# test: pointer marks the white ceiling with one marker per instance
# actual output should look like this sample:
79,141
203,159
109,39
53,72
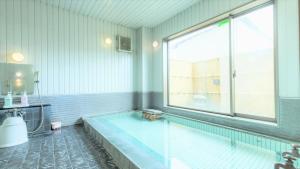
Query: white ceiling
130,13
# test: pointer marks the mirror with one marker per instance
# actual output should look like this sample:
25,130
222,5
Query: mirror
16,78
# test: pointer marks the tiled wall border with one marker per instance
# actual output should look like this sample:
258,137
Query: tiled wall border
70,108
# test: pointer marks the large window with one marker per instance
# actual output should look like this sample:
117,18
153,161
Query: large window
226,67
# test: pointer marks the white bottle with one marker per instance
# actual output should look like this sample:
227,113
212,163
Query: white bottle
8,100
24,99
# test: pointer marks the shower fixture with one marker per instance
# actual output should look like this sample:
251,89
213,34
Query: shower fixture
36,82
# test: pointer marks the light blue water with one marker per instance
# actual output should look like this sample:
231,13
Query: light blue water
181,147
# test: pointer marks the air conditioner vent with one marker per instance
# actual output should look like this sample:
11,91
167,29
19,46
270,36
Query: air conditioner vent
124,44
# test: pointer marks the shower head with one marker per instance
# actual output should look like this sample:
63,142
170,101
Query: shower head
36,77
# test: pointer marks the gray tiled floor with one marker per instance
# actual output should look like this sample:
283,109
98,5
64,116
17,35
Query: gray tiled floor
69,149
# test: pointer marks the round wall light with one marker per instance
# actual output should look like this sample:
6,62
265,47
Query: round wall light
155,44
18,57
108,41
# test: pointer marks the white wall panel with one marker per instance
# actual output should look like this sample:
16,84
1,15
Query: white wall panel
67,48
143,66
3,30
288,48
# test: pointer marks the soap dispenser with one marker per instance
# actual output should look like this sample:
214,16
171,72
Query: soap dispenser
24,99
8,100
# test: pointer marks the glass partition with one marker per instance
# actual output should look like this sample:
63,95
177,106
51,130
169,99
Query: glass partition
254,63
199,74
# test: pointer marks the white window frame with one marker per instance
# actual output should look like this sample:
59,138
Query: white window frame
245,9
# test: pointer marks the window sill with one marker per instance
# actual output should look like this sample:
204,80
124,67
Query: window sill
202,115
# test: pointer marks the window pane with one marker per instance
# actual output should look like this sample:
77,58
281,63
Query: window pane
199,69
254,63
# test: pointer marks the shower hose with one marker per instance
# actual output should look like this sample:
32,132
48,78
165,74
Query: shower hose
42,110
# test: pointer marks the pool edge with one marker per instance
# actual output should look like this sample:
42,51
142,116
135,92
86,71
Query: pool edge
121,159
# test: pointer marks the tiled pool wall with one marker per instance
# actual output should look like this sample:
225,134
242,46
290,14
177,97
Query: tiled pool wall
118,157
234,134
274,144
287,126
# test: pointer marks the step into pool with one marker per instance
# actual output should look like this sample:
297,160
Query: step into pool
173,142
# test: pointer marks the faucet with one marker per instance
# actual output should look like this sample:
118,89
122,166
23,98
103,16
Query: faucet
289,163
295,150
290,158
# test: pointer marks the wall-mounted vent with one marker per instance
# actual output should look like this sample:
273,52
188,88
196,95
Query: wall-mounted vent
124,44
